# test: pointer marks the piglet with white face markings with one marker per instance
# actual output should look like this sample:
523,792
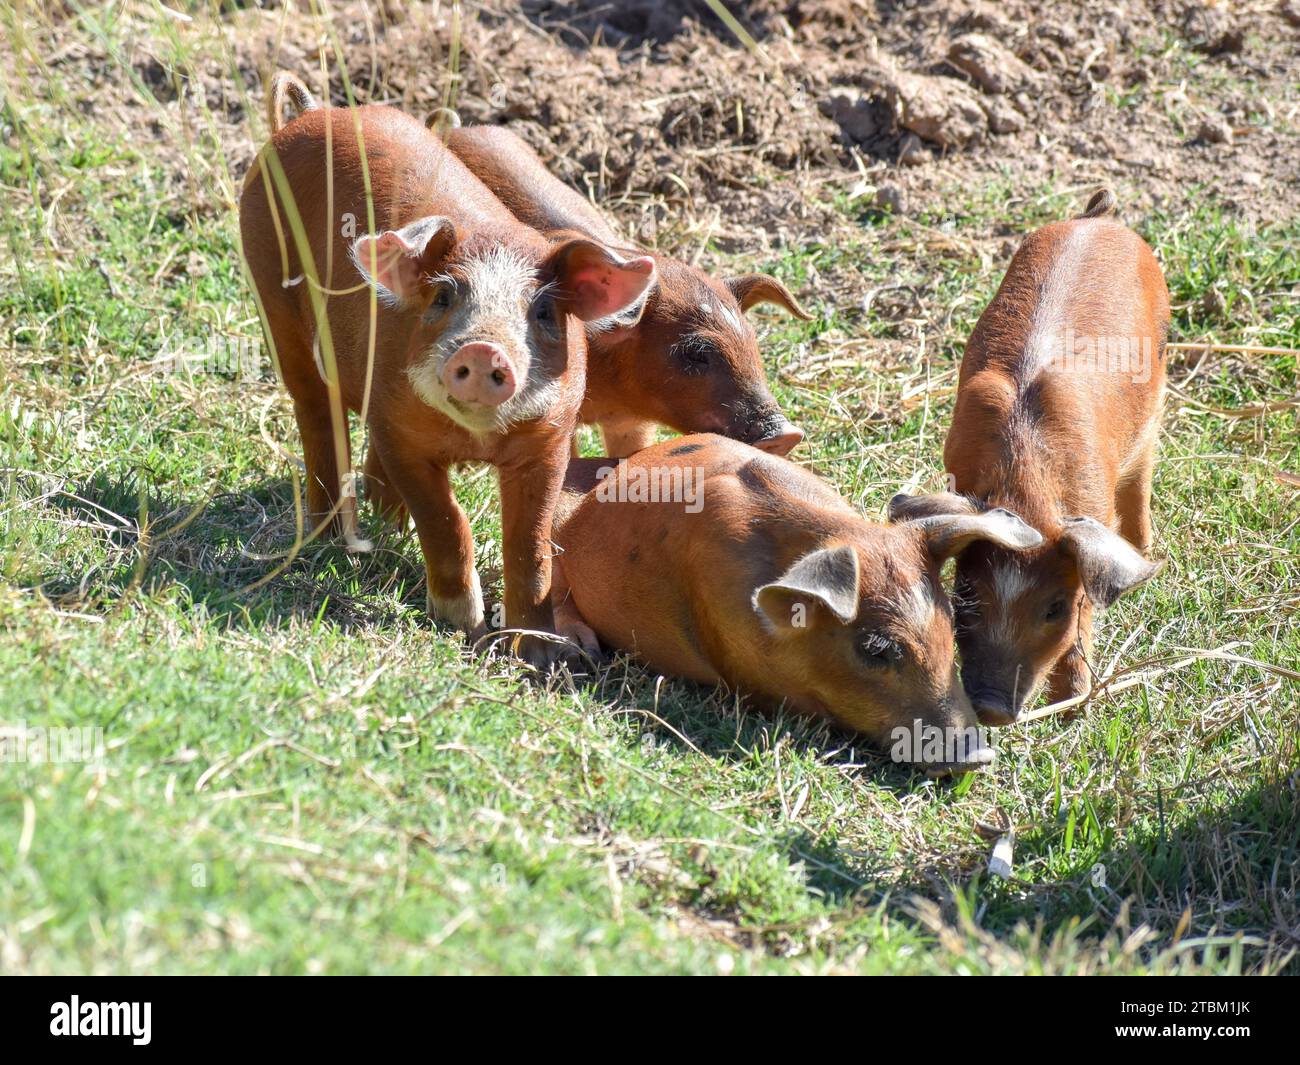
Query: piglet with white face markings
457,332
767,580
1058,407
685,355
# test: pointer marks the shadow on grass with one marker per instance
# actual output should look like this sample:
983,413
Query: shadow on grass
1234,868
233,554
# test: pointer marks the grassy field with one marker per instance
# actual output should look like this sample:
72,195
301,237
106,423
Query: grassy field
301,775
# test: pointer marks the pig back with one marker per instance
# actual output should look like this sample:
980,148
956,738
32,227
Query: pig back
510,168
662,557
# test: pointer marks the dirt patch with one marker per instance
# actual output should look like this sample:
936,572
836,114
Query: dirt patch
683,132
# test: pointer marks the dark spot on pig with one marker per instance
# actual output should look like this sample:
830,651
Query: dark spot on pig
634,555
686,449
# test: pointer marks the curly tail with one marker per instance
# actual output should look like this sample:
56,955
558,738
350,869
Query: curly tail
1101,204
286,87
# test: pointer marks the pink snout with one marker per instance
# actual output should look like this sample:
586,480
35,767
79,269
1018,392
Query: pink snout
781,442
480,374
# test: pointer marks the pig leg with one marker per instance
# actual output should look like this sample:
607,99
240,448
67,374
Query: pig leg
1072,674
383,496
568,621
626,437
1133,503
453,592
531,478
324,432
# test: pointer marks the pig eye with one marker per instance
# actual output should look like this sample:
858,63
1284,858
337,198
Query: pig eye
1056,611
695,353
543,312
878,650
441,298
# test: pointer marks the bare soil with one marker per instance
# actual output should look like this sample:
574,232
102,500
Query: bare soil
679,127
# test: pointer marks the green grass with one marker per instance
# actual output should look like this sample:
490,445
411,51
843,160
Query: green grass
306,777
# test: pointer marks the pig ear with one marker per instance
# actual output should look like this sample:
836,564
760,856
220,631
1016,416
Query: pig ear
395,261
947,535
827,578
1108,564
910,508
596,282
752,289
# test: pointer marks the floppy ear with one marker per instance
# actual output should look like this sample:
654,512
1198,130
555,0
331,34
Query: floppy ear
947,535
394,261
824,579
596,282
752,289
1108,564
909,508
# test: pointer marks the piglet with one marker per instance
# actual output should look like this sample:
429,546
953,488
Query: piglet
1058,407
720,563
685,356
392,283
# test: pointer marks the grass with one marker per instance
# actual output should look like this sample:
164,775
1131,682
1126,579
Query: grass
300,775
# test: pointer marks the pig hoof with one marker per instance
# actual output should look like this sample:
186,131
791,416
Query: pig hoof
584,637
546,652
463,612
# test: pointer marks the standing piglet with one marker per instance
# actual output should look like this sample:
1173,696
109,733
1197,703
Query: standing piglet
453,329
684,356
1058,406
714,561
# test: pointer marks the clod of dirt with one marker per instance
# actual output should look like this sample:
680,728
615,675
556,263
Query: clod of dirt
1290,10
992,66
1213,31
1215,130
1213,304
912,151
942,110
890,197
853,110
1003,118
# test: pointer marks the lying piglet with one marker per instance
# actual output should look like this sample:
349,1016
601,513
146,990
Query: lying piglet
714,561
1058,406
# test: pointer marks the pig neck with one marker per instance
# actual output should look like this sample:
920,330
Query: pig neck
613,385
1045,472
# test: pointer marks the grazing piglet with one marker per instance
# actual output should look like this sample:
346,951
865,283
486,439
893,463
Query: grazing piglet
717,562
1058,406
685,356
454,330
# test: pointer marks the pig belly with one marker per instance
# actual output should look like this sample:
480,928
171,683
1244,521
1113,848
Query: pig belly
633,606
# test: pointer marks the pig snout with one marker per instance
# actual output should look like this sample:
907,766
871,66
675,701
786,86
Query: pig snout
964,752
995,684
480,374
782,441
771,431
965,746
994,707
